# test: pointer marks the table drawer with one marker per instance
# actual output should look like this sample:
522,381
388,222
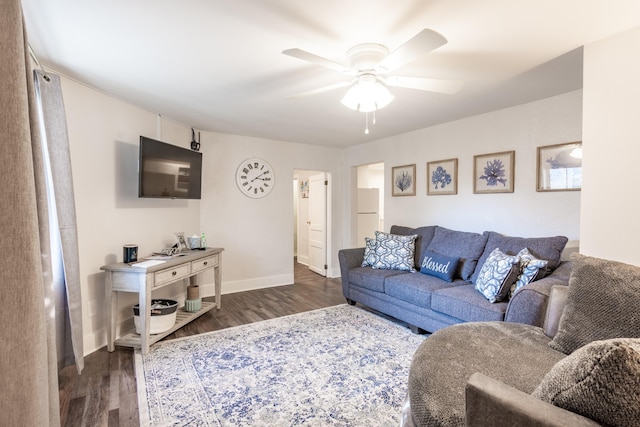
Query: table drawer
204,263
172,274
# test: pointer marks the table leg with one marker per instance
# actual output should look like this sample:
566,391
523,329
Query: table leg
112,311
218,285
144,301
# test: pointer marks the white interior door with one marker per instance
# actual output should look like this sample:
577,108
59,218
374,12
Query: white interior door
318,223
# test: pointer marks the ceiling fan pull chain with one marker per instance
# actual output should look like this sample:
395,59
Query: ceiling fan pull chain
373,122
366,123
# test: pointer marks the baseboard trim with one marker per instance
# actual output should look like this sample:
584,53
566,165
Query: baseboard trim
98,339
208,289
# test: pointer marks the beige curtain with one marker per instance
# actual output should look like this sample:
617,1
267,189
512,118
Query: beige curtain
28,365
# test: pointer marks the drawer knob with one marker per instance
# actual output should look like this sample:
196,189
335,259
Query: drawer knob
206,262
173,273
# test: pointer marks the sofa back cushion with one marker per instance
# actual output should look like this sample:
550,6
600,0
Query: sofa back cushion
545,248
425,235
459,244
600,380
602,303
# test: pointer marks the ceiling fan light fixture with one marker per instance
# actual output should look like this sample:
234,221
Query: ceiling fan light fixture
367,94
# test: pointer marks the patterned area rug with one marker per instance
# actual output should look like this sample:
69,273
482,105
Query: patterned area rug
339,366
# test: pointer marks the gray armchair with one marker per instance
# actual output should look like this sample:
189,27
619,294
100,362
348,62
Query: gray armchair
580,369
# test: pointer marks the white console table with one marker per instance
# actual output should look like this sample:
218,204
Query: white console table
122,277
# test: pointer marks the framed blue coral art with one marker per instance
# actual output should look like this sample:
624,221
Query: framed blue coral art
493,173
442,177
403,180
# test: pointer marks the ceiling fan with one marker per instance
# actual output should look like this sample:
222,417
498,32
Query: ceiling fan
371,64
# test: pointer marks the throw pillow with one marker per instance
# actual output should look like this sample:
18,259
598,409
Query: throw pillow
459,244
547,248
438,265
395,252
600,380
370,255
531,269
602,303
497,274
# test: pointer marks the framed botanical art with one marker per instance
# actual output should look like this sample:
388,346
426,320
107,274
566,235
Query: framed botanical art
559,167
493,173
403,180
442,177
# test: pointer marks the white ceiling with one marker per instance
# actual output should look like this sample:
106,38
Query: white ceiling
217,65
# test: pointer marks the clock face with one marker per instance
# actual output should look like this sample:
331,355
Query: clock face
255,178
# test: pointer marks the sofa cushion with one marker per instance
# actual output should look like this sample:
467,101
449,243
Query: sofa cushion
437,265
467,304
600,380
368,278
460,244
416,288
531,268
497,274
548,248
602,303
395,252
425,235
370,255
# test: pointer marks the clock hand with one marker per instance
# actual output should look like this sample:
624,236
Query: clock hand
258,177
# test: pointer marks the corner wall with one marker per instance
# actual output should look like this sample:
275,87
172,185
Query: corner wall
104,137
257,233
610,202
522,128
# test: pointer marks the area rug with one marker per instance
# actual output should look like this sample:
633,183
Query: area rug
338,366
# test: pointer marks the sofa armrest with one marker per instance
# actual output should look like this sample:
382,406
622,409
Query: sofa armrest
348,259
493,403
529,304
557,301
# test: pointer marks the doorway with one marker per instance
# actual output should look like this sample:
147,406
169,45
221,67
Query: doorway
312,220
369,209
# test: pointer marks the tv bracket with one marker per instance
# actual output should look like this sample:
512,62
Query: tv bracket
195,145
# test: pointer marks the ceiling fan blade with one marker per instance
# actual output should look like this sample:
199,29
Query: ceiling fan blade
423,42
432,85
318,60
320,90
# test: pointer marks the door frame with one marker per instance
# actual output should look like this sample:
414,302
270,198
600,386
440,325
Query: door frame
302,174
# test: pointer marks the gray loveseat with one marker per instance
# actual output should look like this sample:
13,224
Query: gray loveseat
429,303
581,369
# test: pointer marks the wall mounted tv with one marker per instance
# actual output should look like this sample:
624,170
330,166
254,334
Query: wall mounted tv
168,171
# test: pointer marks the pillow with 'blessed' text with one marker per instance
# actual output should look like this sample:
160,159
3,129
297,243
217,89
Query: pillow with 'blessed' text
441,266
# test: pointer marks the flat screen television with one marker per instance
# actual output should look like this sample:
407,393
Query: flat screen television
168,171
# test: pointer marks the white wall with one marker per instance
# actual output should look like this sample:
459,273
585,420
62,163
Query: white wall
611,147
256,233
524,213
104,139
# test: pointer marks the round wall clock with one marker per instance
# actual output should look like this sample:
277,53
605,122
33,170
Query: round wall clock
255,178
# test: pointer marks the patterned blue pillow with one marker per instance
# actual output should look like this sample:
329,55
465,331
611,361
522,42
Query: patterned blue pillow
395,252
531,269
497,275
437,265
370,256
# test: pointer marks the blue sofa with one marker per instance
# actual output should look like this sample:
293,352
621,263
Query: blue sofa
428,303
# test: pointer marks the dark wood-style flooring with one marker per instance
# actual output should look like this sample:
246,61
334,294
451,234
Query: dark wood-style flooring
105,394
